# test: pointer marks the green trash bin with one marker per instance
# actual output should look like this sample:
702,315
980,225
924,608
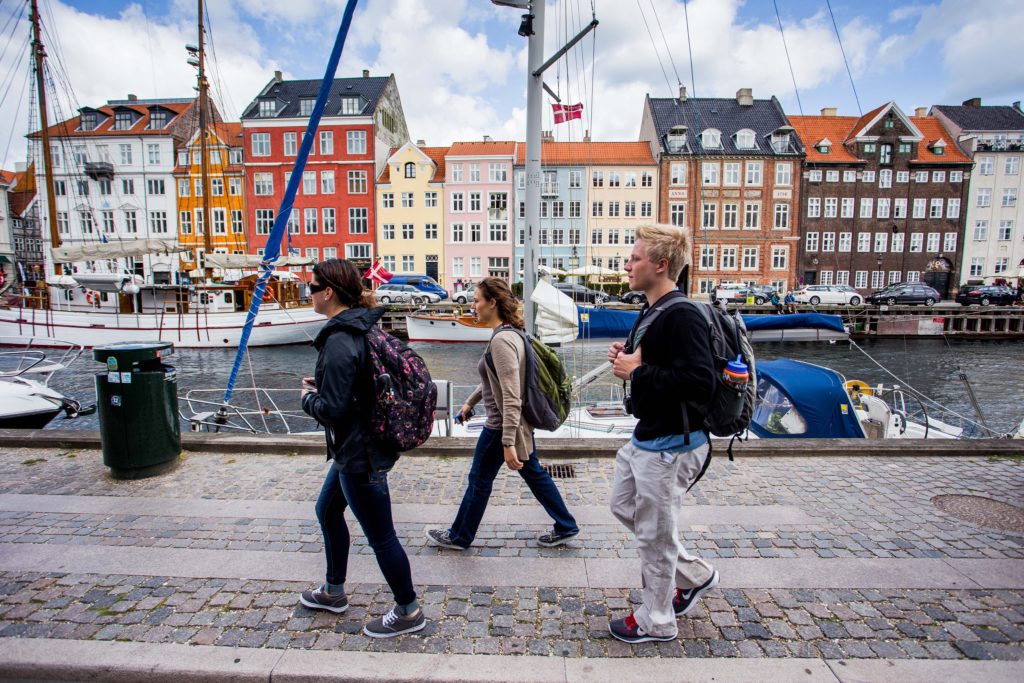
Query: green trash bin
138,409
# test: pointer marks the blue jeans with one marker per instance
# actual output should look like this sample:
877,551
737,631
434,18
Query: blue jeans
488,458
368,496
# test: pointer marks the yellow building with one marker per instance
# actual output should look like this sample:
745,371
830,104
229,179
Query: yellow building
226,178
410,211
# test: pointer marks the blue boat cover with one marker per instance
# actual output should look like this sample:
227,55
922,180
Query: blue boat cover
596,322
815,393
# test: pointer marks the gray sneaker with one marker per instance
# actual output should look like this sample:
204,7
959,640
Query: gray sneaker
442,539
394,624
319,598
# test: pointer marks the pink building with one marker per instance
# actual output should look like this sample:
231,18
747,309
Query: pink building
478,193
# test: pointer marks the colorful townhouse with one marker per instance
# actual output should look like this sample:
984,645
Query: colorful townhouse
27,262
478,192
410,211
113,170
729,169
993,136
881,200
334,214
225,194
593,196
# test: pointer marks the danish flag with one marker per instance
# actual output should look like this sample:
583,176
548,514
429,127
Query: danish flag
377,273
567,112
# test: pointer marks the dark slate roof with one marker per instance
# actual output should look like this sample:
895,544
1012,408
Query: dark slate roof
288,94
725,114
983,118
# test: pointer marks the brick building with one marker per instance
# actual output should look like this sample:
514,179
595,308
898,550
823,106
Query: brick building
728,169
882,198
334,210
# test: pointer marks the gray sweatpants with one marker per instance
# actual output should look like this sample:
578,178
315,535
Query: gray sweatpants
646,497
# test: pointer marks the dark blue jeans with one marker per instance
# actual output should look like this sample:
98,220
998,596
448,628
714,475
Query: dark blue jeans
488,458
368,496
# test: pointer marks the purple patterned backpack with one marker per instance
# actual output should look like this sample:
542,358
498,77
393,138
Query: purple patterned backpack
402,414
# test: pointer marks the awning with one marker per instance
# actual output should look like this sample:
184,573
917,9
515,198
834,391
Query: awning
4,259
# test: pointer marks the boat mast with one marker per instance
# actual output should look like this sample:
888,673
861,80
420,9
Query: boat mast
204,162
39,56
534,95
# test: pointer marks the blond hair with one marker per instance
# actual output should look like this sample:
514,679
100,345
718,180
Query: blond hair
669,242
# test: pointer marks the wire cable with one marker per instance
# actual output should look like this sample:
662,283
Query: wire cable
845,61
788,60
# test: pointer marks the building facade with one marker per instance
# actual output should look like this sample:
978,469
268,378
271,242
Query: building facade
993,136
478,193
113,178
334,209
729,171
26,239
882,200
410,212
226,194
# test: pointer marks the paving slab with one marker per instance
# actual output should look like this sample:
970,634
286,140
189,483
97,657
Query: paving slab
994,573
698,670
924,671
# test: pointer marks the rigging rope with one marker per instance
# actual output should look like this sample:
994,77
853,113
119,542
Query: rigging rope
845,61
792,75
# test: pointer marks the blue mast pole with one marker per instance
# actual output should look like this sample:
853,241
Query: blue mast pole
273,247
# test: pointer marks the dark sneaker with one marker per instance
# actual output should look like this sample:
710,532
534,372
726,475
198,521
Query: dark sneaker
443,539
319,598
686,599
394,624
627,630
554,538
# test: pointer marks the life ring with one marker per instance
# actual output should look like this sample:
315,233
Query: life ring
92,298
856,386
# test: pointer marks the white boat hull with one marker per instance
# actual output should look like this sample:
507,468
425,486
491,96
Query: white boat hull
200,329
444,329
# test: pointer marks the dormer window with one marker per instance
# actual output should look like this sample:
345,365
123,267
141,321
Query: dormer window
157,118
124,119
780,143
675,139
89,120
745,139
824,146
410,170
711,139
889,123
938,148
351,105
306,105
268,109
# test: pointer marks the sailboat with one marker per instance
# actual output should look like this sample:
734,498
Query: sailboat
92,294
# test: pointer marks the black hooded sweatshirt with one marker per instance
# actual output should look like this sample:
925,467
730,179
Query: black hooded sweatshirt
344,393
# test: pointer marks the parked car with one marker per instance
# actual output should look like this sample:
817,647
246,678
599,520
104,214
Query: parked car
462,296
424,283
827,294
405,294
905,293
583,295
727,291
986,294
633,298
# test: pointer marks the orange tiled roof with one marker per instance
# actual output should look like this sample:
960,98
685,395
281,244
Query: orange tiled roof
933,130
69,127
436,154
230,132
812,129
8,177
493,148
587,153
866,119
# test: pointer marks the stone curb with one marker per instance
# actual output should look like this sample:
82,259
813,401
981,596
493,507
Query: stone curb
50,659
313,444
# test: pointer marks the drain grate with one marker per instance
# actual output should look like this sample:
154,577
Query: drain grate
560,471
982,511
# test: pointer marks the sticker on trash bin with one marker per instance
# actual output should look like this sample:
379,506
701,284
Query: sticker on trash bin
115,400
111,364
114,377
126,378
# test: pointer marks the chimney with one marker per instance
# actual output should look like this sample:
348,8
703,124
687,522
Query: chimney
829,111
366,73
421,143
973,102
133,97
277,77
586,136
487,138
682,93
547,136
1016,105
745,97
921,111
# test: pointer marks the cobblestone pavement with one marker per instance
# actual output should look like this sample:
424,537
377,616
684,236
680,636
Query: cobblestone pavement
976,624
861,507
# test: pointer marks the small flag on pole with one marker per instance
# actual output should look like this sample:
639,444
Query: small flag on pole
567,112
377,273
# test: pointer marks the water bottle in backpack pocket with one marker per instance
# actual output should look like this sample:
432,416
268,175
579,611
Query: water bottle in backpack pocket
732,385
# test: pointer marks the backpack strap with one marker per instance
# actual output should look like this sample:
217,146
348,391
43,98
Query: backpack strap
644,322
707,462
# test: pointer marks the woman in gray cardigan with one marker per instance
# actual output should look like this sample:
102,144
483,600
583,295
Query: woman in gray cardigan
506,437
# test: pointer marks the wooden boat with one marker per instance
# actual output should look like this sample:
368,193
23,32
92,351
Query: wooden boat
446,327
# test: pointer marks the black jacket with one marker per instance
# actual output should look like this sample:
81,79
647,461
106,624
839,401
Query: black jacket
677,367
344,392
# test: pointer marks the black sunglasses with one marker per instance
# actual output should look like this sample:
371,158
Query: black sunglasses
314,287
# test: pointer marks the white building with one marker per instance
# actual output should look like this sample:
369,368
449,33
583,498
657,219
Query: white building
113,179
994,240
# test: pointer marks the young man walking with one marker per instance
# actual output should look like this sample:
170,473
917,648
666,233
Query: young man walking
672,377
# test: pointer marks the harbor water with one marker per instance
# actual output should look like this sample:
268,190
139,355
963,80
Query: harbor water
993,369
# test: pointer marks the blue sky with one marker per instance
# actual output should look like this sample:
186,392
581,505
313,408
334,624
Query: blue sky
461,67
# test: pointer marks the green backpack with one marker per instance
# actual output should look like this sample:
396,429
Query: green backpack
547,395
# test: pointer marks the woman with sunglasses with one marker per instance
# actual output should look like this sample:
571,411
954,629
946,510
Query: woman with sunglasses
358,476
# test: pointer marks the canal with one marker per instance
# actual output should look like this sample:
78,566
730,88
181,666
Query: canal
995,370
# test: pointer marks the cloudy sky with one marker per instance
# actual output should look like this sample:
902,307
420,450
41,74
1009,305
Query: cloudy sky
460,65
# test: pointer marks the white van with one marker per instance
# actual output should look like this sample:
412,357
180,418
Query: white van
728,290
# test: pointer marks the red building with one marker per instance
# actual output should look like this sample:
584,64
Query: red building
333,213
